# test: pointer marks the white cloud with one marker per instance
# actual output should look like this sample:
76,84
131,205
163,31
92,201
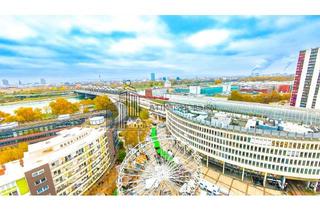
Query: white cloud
12,28
288,42
208,38
127,46
37,52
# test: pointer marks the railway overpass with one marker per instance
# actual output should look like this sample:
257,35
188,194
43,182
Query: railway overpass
154,108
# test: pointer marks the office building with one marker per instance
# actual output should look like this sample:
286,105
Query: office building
5,82
270,149
195,90
167,84
43,81
305,92
153,77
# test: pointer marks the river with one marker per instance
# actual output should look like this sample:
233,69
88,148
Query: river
9,108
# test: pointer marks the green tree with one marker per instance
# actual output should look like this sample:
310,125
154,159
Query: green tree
121,155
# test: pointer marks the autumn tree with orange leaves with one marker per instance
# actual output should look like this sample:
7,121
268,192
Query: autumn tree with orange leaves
104,102
63,106
28,114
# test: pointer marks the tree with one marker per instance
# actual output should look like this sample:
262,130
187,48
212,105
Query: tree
265,98
121,155
11,153
268,78
63,106
3,116
144,114
11,118
130,136
103,102
86,110
28,114
217,81
87,102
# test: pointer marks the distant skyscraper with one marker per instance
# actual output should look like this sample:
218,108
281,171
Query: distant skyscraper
42,81
153,77
20,83
5,82
305,92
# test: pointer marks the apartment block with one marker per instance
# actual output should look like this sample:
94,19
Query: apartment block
305,92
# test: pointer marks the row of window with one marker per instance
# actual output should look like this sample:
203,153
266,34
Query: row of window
242,153
42,189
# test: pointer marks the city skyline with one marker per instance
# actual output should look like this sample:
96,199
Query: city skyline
75,48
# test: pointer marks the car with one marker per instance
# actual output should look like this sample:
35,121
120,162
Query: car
64,117
213,190
203,184
162,125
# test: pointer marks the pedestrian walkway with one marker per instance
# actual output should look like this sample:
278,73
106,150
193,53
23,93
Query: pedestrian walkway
234,186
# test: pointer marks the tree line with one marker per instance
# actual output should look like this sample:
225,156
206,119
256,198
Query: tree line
58,107
267,78
264,98
11,153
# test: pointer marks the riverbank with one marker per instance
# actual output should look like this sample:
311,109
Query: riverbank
43,98
39,103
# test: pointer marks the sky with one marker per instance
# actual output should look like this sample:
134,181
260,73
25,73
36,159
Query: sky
80,48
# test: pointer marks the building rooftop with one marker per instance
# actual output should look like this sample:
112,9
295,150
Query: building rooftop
248,124
11,171
286,113
67,141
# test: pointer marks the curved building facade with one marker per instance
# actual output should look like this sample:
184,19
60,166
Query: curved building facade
272,153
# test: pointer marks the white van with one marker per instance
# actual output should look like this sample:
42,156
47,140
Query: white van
64,117
213,190
203,184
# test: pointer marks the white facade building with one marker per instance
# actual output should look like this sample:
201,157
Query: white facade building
195,90
269,153
68,164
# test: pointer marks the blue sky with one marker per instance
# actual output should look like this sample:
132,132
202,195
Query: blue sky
79,48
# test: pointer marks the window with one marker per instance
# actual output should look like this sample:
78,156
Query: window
13,193
37,173
39,181
42,189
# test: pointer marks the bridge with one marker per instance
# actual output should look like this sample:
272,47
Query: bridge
126,97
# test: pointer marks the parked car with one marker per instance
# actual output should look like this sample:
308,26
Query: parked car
64,117
203,184
213,190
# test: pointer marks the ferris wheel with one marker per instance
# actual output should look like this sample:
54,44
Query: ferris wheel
159,167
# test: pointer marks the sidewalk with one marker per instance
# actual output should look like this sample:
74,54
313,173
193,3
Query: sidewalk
235,186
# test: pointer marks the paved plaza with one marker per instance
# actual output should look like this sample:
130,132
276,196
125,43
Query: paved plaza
233,186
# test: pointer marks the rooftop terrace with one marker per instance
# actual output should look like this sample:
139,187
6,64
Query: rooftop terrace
239,123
